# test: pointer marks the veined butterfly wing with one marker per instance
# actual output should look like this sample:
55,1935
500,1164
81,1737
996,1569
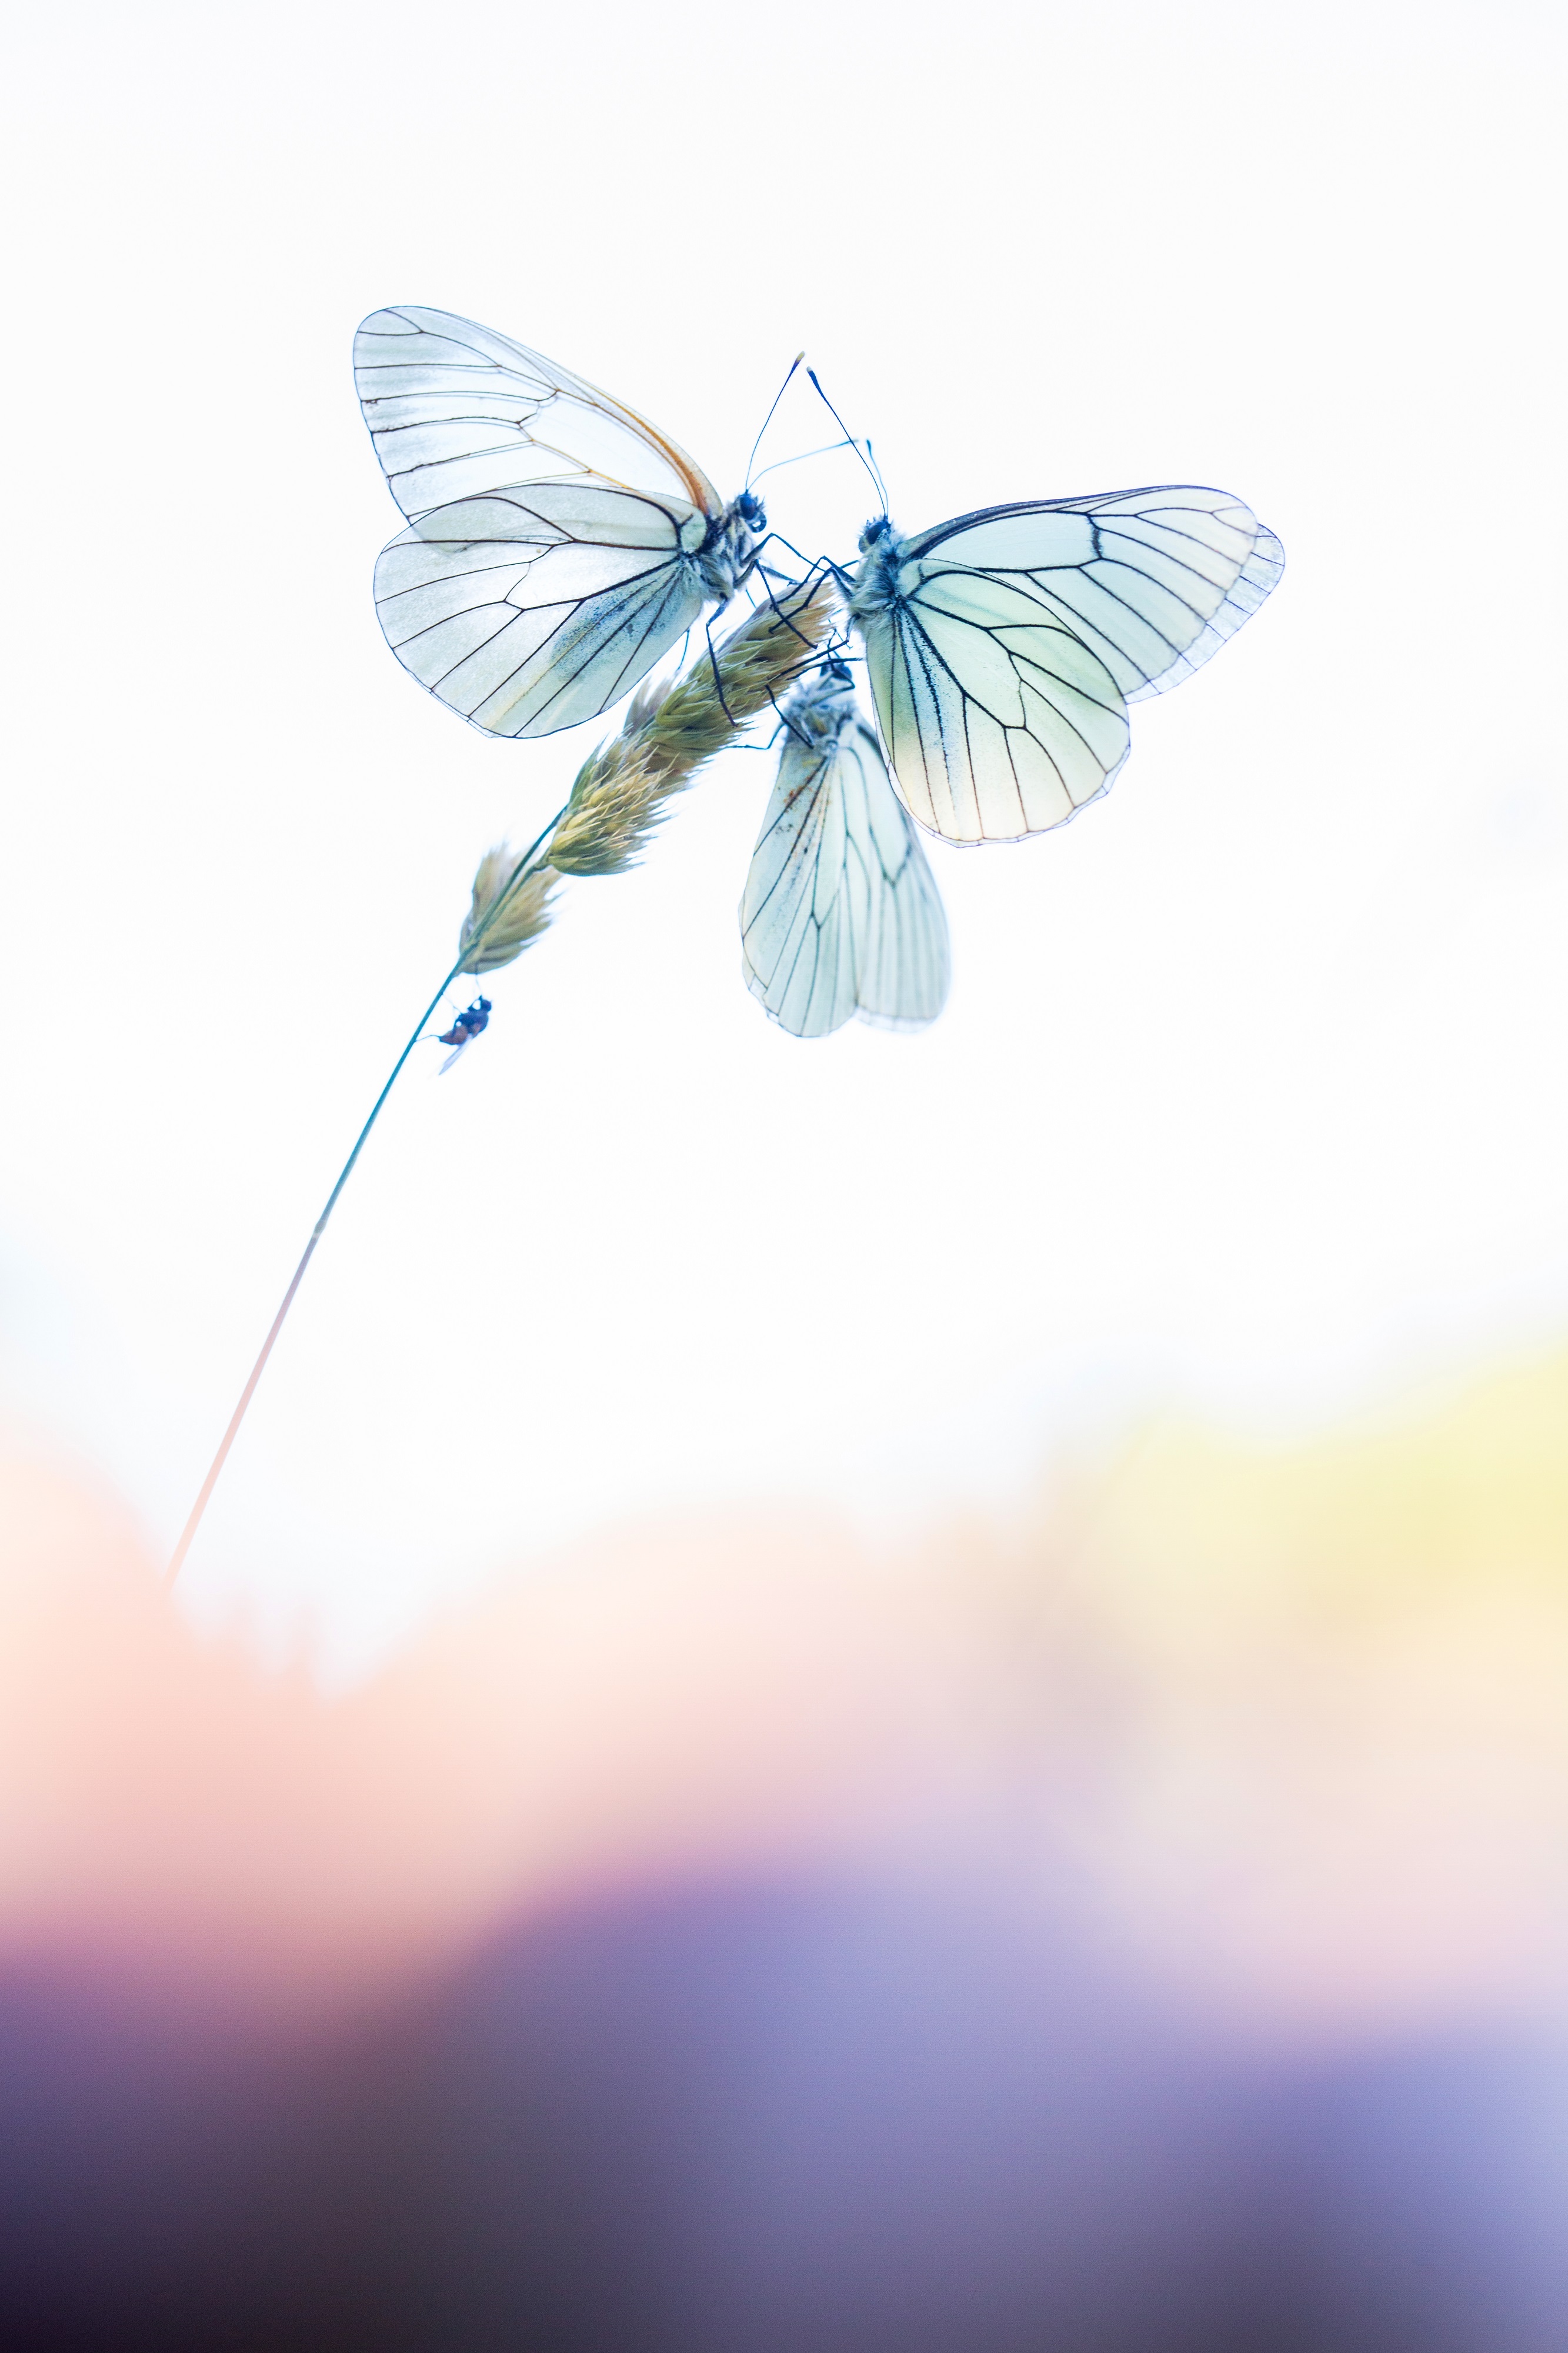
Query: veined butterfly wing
841,913
1003,647
998,722
1155,581
558,543
530,608
453,410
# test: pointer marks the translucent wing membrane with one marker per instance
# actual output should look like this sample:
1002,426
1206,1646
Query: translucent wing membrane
558,543
455,409
841,914
1003,647
998,723
1153,581
536,607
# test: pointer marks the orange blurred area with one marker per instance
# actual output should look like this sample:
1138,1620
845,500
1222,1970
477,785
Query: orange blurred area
1290,1722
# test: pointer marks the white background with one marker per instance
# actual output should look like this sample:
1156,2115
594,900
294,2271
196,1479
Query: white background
1251,1089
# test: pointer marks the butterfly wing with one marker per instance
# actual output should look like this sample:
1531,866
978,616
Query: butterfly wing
841,913
998,720
1153,581
904,966
532,608
545,570
1003,667
455,409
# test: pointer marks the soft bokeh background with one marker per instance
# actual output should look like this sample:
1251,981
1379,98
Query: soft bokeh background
1288,1721
1246,1095
1138,1927
887,1686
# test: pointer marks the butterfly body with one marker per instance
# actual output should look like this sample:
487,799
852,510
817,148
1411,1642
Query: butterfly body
728,550
557,544
878,588
821,708
1004,647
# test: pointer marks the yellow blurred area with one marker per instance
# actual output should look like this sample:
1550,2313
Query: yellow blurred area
1290,1720
1341,1672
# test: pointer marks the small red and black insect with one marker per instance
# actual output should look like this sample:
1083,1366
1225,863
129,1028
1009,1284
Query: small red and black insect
466,1028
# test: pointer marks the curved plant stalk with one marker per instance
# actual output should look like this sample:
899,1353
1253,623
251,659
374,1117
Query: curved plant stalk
617,801
470,945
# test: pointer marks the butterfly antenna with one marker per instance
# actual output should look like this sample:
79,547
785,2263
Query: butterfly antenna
800,458
877,472
849,438
769,417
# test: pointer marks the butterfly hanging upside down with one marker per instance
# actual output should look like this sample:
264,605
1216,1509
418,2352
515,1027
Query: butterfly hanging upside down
558,543
841,914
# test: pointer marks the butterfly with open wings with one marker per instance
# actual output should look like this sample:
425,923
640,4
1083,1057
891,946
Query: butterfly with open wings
1004,647
557,544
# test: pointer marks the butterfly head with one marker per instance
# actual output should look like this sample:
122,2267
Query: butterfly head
876,531
731,549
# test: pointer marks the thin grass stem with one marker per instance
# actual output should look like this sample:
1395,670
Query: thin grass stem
527,864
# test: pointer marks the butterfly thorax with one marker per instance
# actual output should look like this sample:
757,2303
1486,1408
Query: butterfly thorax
731,548
876,586
821,708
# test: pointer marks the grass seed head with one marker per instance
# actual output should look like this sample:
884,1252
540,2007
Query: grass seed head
620,797
519,915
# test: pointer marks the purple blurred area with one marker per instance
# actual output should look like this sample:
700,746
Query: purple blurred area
804,2116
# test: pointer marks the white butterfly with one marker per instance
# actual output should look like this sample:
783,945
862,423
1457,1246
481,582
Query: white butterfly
841,914
1004,647
558,543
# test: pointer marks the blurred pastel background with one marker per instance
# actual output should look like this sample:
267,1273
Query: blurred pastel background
903,1691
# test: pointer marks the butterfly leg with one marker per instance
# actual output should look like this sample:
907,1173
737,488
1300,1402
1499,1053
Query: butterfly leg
797,588
787,722
718,678
836,573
